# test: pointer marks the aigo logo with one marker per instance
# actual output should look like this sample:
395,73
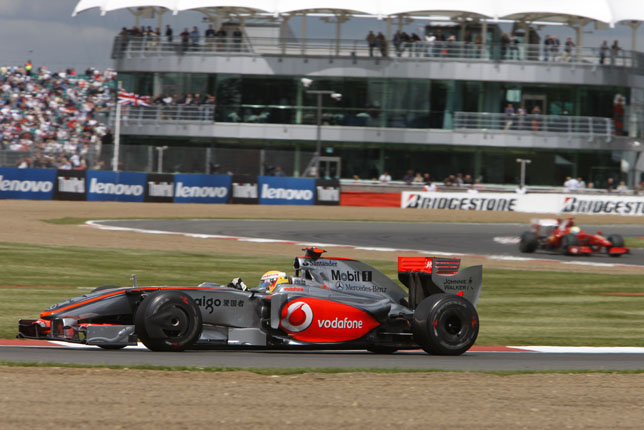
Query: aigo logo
298,317
325,321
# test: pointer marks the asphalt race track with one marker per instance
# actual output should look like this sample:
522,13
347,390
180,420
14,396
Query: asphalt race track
473,360
500,240
483,239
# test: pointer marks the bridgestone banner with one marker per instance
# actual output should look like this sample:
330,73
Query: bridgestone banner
529,203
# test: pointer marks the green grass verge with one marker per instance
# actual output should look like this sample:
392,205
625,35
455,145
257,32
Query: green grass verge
516,307
634,242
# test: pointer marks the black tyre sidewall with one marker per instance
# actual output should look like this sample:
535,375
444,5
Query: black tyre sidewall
162,301
436,310
616,240
528,242
569,240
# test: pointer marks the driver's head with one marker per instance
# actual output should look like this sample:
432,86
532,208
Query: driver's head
272,279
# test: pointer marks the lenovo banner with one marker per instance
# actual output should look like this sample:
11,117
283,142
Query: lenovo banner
106,186
201,188
29,184
275,190
70,185
327,192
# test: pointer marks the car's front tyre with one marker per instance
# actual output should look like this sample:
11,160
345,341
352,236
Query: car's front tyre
168,321
528,242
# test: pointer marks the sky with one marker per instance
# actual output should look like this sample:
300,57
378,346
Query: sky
45,32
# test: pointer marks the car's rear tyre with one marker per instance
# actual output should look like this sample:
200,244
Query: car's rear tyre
168,321
568,241
445,324
528,242
616,240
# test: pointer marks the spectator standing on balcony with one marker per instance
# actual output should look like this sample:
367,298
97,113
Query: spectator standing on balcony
416,44
536,112
397,41
185,40
509,116
221,39
614,52
210,37
568,48
237,38
382,44
603,52
430,40
554,48
372,42
385,177
622,188
610,185
168,33
547,44
505,43
194,37
409,177
521,114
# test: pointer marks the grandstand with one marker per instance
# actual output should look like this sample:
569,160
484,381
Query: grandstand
53,119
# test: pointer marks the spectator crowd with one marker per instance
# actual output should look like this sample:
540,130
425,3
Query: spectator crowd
51,116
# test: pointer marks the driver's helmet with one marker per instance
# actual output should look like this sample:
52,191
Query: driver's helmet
272,279
574,229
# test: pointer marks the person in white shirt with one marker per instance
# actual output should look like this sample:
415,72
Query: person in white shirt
385,177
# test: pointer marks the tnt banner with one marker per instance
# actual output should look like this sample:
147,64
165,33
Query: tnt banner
201,188
107,186
160,188
286,191
29,184
327,192
244,190
70,185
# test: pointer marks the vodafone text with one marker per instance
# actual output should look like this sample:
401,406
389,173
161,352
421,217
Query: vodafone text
340,323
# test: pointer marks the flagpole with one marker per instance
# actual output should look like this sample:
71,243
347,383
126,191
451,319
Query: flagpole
117,132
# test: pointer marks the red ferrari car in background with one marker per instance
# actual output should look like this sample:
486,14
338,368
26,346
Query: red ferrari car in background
564,236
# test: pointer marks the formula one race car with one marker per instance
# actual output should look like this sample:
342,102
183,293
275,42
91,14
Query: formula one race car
564,236
329,303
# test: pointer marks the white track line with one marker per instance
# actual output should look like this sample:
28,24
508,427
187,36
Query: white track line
97,224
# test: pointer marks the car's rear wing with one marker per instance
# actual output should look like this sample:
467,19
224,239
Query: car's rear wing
424,276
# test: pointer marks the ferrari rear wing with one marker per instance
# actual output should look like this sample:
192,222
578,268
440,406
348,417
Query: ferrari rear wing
424,276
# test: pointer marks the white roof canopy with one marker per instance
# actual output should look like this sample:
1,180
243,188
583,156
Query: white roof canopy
566,11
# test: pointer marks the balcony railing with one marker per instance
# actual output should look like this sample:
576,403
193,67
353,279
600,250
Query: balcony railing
559,124
481,121
149,46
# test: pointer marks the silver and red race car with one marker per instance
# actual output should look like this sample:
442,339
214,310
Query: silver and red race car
329,303
562,235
